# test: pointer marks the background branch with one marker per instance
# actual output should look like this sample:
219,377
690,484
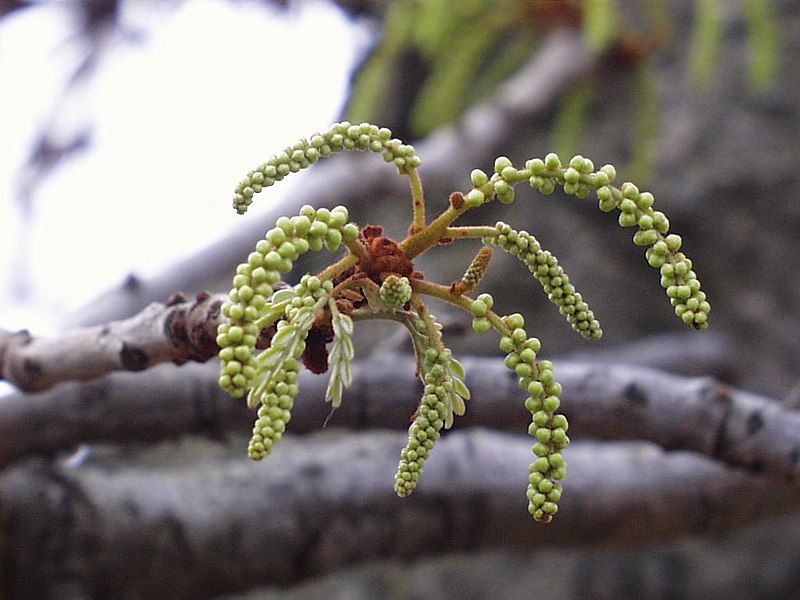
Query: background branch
327,502
602,401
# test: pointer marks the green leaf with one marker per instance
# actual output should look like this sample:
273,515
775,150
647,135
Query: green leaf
460,388
340,358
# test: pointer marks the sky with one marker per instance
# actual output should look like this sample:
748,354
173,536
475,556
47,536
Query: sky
192,96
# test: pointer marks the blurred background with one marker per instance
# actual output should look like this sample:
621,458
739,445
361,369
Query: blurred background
125,125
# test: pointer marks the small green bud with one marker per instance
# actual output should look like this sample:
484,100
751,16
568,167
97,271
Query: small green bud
481,324
501,163
474,198
552,162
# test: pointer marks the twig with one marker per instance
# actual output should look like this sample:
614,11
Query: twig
177,332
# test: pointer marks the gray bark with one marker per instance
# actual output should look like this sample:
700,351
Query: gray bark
601,401
320,504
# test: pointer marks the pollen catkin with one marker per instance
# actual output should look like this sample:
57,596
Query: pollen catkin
429,421
253,285
475,272
280,386
636,210
545,268
275,411
395,291
341,136
547,426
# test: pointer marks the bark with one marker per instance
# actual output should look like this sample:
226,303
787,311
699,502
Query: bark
176,332
327,502
601,401
448,156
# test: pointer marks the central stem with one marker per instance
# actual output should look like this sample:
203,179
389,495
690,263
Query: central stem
418,202
443,293
416,244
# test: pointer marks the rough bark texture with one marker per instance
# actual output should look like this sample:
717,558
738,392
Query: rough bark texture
176,332
327,502
601,401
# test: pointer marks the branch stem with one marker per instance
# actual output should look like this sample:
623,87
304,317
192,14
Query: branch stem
471,231
443,293
417,243
340,266
417,200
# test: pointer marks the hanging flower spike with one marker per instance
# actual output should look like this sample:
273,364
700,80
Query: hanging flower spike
548,427
364,285
253,285
341,136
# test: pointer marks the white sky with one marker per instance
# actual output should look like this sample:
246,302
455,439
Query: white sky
177,120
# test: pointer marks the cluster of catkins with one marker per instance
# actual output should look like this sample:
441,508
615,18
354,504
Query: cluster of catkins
545,268
549,427
272,376
341,136
636,210
312,229
279,388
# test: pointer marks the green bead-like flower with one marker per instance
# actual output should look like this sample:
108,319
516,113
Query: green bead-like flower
395,291
636,210
340,136
547,426
250,299
545,268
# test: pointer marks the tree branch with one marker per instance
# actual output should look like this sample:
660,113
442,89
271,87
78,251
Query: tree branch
176,332
327,502
448,155
602,401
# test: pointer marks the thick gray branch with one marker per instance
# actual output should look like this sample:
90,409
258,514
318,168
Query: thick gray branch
175,332
448,156
602,401
179,331
326,502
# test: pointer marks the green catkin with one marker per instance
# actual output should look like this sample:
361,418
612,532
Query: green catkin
253,285
547,425
636,210
545,268
275,411
279,388
426,427
341,136
476,270
395,291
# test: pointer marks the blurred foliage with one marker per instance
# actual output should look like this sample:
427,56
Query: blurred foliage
437,58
